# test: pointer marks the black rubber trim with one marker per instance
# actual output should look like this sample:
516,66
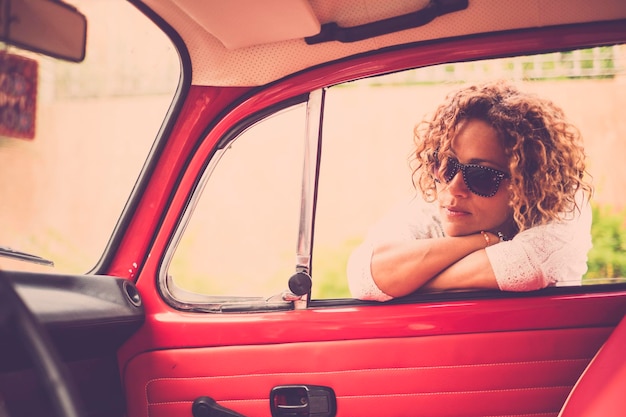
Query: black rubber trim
473,295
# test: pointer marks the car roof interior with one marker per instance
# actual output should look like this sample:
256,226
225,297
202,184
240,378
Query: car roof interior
285,32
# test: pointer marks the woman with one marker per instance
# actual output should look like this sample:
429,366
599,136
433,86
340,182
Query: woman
503,205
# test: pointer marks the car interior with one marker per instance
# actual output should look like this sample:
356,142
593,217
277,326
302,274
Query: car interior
197,266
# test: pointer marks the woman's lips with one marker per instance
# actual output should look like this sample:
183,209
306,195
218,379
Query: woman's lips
452,211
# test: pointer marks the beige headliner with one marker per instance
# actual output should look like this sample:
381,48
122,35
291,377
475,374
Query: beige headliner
240,43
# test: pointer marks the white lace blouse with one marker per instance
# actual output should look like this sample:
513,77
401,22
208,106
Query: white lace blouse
549,255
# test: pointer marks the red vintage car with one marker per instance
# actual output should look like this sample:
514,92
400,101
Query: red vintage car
183,183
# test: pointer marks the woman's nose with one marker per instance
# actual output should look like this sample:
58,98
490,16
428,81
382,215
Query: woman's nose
457,185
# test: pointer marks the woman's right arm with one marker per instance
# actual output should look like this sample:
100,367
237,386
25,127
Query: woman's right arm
403,251
400,268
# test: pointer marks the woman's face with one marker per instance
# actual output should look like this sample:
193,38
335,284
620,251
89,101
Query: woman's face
462,211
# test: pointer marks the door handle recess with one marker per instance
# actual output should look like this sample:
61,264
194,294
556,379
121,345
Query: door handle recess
303,401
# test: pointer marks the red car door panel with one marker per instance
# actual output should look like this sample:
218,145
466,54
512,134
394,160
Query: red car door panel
502,369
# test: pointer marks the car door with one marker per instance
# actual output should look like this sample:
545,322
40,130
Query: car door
254,190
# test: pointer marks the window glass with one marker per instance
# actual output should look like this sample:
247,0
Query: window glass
241,238
368,138
63,188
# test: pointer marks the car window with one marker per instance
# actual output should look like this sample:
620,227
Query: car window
368,139
64,187
241,239
242,235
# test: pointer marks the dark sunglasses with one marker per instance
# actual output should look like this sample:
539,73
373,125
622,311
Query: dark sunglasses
480,180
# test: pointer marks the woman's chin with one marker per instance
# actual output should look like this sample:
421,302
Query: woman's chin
455,230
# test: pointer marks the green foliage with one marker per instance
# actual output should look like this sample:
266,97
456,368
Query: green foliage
329,270
607,258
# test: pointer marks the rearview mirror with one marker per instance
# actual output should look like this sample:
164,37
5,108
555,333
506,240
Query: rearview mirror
49,27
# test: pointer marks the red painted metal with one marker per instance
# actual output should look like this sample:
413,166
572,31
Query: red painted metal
169,329
202,105
166,328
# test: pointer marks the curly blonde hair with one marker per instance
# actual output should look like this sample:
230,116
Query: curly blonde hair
545,152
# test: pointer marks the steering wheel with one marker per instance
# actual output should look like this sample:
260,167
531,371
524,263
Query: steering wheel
48,366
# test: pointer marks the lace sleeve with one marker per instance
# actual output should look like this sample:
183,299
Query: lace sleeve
408,221
360,281
547,255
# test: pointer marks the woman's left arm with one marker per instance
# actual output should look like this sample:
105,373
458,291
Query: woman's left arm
551,254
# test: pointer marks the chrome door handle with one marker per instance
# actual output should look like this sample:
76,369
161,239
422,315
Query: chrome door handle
303,401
